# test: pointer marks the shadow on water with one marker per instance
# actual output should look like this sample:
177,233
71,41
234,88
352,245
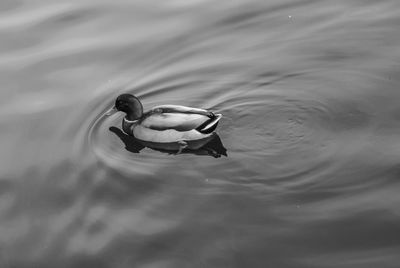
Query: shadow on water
211,146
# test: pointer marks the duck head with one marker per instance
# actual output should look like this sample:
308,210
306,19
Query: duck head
130,105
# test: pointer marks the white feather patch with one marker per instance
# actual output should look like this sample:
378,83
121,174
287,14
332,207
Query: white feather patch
174,120
170,135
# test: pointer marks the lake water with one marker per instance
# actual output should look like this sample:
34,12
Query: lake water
310,93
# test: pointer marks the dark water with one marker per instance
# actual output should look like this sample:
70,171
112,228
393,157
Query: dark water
310,92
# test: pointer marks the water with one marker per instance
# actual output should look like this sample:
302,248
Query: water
310,95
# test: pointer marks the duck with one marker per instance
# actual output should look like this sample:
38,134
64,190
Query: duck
165,123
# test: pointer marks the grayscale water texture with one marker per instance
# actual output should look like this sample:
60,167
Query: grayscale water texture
310,93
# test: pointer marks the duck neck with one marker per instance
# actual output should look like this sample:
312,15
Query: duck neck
127,125
133,116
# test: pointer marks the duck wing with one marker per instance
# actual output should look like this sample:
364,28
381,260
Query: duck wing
180,118
179,109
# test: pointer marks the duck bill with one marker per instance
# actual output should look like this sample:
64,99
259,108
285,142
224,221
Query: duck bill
111,111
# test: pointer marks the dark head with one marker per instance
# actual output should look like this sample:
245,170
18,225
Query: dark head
130,105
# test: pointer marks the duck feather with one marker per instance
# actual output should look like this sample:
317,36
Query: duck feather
179,118
171,123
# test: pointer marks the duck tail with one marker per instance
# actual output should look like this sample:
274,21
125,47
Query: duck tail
210,125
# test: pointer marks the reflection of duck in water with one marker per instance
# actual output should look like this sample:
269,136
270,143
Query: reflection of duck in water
211,145
178,126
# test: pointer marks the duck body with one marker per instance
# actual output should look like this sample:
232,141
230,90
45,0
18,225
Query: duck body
211,146
172,124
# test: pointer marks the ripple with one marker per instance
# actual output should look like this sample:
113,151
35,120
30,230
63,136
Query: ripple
277,136
311,121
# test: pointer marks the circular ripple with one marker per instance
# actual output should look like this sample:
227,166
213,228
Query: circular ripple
289,137
277,137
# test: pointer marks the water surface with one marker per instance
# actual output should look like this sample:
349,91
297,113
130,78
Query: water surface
310,95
